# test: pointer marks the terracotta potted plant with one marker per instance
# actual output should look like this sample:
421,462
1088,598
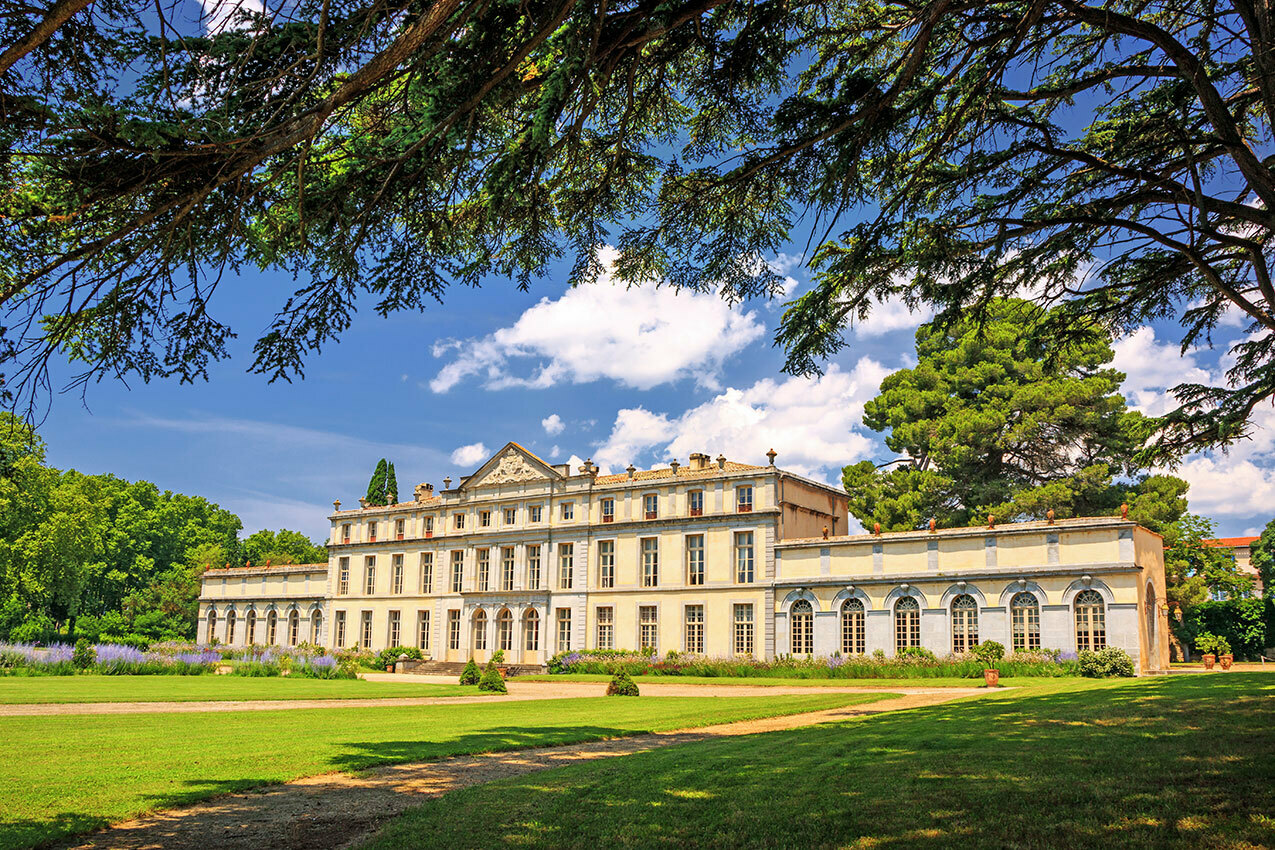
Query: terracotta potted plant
498,657
1224,656
990,653
1210,647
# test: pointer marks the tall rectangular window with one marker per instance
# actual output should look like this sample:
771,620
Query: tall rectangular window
484,519
365,630
568,510
606,628
345,532
650,562
535,513
458,521
507,568
395,630
371,532
484,570
566,565
340,629
744,498
458,569
453,629
608,510
651,506
422,631
695,629
369,575
695,502
343,577
427,572
743,629
564,629
649,628
694,559
533,567
744,573
429,526
400,528
396,570
606,563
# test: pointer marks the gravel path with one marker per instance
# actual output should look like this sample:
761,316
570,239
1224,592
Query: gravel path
517,691
339,810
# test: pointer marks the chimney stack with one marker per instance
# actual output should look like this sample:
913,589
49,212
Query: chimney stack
699,460
424,491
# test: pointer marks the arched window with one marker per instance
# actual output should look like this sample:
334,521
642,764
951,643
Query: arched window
316,625
803,628
272,627
964,623
294,623
531,630
1024,613
505,631
480,629
251,637
212,625
1091,626
907,624
852,629
230,626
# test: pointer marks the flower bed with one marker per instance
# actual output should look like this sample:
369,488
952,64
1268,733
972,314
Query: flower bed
169,659
877,666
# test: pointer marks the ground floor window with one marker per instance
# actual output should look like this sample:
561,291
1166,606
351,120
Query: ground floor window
743,629
251,637
649,628
396,629
480,629
853,632
230,627
422,631
964,623
316,624
695,629
272,628
453,629
1091,626
365,630
907,624
564,629
802,618
340,630
1024,622
505,630
531,630
606,628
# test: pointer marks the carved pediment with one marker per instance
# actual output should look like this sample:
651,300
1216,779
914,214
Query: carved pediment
509,467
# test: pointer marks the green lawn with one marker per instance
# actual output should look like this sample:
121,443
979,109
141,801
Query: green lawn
1184,761
91,688
61,775
766,681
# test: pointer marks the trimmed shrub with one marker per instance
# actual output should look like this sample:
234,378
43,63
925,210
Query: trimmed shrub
471,674
917,653
83,657
492,681
622,685
1211,643
387,657
1106,663
989,652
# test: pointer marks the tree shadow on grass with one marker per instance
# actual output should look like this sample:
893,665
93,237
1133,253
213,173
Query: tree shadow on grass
1168,762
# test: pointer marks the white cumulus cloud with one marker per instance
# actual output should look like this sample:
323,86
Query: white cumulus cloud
470,455
639,337
552,424
813,423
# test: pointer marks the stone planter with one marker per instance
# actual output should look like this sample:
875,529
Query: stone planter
389,668
1209,660
503,670
1226,660
992,677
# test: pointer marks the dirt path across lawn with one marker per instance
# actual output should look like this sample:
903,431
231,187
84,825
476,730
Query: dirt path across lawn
517,691
339,810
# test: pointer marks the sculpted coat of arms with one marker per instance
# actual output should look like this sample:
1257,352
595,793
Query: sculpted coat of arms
511,469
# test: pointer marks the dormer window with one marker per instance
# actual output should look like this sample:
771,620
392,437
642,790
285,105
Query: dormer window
651,506
484,519
608,510
371,532
458,521
345,532
400,528
695,501
744,498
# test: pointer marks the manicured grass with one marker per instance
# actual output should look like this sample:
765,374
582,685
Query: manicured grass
61,775
766,681
92,688
1182,761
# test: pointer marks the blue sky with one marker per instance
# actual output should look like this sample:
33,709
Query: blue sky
617,375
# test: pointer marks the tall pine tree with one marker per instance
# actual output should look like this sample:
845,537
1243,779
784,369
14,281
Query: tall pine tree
376,487
391,486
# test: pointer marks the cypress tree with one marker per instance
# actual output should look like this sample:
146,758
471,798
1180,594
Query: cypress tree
376,487
391,486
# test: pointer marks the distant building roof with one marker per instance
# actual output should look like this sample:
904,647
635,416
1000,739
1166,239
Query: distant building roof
681,472
262,568
1229,542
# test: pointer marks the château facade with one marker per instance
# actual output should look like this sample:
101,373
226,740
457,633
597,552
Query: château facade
713,557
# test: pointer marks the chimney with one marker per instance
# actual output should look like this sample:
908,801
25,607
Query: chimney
699,460
424,491
721,461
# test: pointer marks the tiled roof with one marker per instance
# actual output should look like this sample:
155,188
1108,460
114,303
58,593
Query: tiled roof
262,568
1229,542
682,472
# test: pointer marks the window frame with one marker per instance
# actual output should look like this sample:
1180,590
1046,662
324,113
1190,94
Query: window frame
396,574
801,628
566,565
650,561
457,583
534,566
1024,618
693,496
605,627
422,629
745,569
369,575
606,564
693,628
427,572
744,632
744,498
649,628
695,566
854,621
907,624
963,612
650,505
1094,607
